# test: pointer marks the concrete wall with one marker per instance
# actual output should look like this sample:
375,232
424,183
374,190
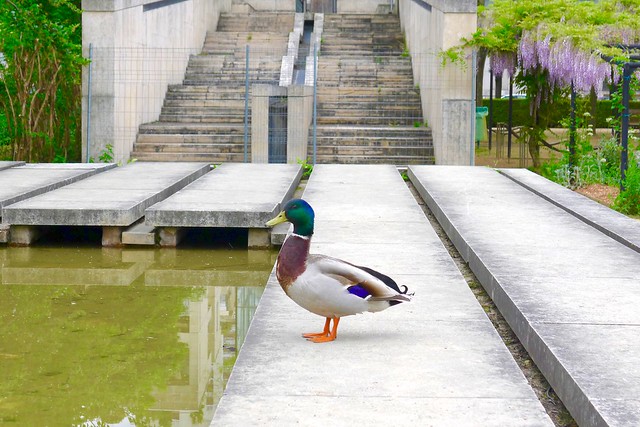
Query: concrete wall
271,5
359,6
343,6
446,92
139,47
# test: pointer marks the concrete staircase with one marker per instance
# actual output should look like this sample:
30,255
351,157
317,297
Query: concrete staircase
369,110
202,119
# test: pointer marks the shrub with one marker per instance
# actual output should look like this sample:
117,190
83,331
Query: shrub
628,202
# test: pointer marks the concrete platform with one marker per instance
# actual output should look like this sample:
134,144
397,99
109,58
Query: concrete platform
614,224
435,361
112,200
22,181
234,195
570,292
6,164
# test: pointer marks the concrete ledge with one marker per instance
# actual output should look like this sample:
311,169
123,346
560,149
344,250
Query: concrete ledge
614,224
568,291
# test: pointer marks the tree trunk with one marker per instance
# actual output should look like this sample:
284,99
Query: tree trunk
482,59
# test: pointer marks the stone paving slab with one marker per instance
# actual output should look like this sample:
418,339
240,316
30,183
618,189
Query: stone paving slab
435,361
570,292
117,197
244,195
614,224
22,181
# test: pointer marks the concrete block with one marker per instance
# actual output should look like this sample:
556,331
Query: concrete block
259,238
139,234
24,235
5,234
279,233
112,236
171,236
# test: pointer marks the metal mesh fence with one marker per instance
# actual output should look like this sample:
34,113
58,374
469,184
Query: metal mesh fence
192,105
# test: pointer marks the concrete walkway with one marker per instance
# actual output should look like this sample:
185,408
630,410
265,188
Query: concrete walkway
20,181
112,199
234,195
434,361
6,164
570,292
614,224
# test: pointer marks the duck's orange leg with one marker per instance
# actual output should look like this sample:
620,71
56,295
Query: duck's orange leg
324,333
328,336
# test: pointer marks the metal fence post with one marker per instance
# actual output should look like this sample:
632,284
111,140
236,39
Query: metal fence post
624,131
315,99
474,70
246,106
89,102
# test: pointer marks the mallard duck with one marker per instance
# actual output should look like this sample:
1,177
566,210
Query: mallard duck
329,287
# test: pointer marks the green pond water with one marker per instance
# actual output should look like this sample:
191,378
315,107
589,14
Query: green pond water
122,337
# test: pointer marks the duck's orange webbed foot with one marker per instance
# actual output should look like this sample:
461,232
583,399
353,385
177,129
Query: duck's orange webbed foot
325,335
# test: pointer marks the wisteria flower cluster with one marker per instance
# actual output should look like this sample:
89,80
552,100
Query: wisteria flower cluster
566,64
503,61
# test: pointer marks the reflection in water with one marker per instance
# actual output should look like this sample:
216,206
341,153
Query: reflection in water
98,336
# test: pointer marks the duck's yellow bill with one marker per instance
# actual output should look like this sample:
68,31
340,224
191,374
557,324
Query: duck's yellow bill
277,220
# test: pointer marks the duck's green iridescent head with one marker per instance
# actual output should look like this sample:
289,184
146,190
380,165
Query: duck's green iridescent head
299,213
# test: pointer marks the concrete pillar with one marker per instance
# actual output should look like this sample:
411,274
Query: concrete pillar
112,236
171,236
299,116
260,94
259,238
260,123
24,235
5,234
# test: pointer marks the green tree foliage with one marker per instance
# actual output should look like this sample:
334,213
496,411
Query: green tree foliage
40,78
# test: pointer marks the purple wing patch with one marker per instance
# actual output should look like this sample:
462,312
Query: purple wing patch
358,291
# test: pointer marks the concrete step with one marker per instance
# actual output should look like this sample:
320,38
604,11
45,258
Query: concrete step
360,151
256,21
189,103
377,160
370,121
190,148
190,128
325,139
215,158
379,131
207,139
203,118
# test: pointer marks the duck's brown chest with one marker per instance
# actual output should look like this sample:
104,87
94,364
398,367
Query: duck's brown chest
292,260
